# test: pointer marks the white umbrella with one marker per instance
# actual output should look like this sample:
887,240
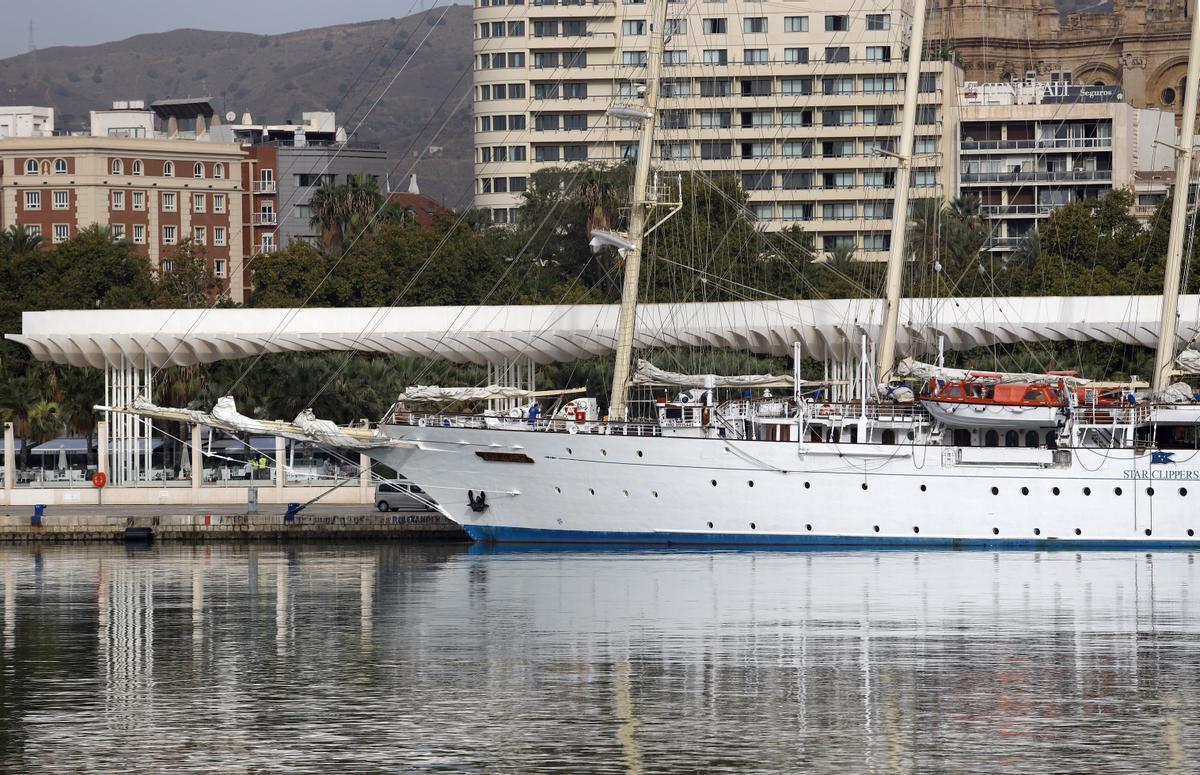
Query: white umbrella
62,458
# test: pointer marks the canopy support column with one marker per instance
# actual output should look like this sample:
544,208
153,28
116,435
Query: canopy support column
129,451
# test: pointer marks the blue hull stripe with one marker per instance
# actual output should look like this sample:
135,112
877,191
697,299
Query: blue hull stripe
524,535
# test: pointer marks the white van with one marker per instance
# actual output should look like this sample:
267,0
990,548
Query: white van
400,496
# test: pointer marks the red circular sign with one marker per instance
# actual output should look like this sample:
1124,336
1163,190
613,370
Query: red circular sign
99,479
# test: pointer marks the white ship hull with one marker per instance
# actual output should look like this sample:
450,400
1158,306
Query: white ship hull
681,490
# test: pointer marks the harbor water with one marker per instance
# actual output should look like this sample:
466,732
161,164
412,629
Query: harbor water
381,657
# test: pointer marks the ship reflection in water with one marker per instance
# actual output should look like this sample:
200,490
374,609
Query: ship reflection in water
447,659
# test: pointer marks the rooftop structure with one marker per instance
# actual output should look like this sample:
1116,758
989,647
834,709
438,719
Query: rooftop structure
26,121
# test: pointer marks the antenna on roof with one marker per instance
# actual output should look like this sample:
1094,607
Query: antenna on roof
32,45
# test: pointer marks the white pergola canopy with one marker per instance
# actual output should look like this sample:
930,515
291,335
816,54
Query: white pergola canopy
551,333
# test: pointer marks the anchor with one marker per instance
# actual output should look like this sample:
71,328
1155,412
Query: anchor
477,504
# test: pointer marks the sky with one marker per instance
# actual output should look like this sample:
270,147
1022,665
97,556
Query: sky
86,22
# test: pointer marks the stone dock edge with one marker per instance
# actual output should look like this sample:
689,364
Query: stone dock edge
423,526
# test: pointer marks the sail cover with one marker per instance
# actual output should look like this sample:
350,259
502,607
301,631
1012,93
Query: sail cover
914,369
226,417
1188,361
437,393
647,373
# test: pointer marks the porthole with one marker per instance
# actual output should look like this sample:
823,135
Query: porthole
806,485
1148,531
1183,492
639,453
569,452
995,531
753,526
910,436
877,528
1024,490
590,490
558,490
1191,532
1116,491
1054,490
1087,490
864,485
916,529
710,525
923,488
654,493
750,483
1150,491
1037,531
1078,532
713,482
625,492
808,528
604,452
995,491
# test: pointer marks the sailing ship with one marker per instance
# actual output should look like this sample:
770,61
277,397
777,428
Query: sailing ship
973,459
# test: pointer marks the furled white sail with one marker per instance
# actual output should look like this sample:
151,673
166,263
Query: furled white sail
910,368
442,394
647,373
1188,361
226,417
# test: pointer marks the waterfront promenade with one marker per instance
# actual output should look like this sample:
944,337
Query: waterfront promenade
217,523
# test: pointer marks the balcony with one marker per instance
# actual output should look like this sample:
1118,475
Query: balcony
1065,143
264,187
996,211
265,219
269,248
1035,176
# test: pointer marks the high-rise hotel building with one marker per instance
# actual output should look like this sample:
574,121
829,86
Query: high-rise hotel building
800,100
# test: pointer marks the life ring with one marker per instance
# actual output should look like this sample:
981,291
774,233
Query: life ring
420,422
569,410
99,479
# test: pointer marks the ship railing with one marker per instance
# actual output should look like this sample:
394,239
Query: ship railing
914,412
542,424
1138,414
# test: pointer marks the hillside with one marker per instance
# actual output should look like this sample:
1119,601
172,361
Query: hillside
342,68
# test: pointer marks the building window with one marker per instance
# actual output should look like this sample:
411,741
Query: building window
837,54
117,230
837,149
168,265
879,53
715,119
879,178
199,235
168,201
676,27
924,177
219,236
879,21
796,55
267,243
715,26
838,117
60,166
117,199
517,185
796,117
575,153
168,169
716,56
796,86
762,212
675,57
755,56
672,151
925,145
795,24
170,235
575,122
797,211
62,200
632,27
833,242
219,265
756,87
877,211
834,180
139,234
927,83
118,168
879,116
138,167
709,150
545,122
837,85
218,170
798,149
879,84
796,181
139,200
758,181
545,153
62,232
838,211
198,170
927,114
754,25
198,203
877,241
31,166
714,87
837,23
33,229
33,200
633,58
218,203
574,91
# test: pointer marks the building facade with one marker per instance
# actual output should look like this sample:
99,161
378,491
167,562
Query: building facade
1029,148
1140,44
802,104
153,193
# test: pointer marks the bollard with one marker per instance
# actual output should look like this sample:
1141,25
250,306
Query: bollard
252,499
289,516
39,511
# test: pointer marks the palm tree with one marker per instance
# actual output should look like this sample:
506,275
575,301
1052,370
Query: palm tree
19,240
329,215
599,197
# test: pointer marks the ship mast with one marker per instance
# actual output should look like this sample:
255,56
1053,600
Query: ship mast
886,359
641,205
1164,355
